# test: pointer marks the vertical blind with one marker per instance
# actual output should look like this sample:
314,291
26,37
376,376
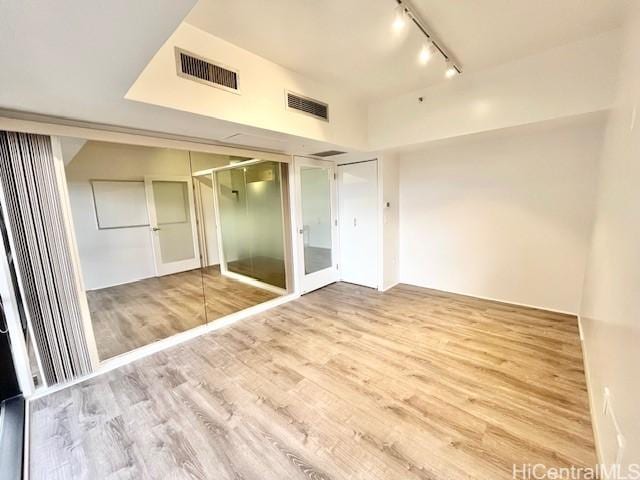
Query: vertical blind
43,256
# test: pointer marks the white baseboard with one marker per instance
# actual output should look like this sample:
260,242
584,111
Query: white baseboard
492,299
592,407
253,282
389,287
580,331
592,410
117,284
592,404
142,352
138,279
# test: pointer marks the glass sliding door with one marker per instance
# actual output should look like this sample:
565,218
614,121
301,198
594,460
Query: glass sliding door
251,222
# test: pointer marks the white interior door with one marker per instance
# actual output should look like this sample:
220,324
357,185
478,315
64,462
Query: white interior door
358,213
317,223
172,221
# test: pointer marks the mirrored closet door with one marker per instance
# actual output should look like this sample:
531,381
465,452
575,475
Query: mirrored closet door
247,202
170,240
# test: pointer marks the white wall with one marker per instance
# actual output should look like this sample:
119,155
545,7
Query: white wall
251,215
505,215
388,175
610,313
70,147
261,102
264,211
572,79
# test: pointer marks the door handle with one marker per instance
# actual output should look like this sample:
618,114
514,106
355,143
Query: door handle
355,222
155,229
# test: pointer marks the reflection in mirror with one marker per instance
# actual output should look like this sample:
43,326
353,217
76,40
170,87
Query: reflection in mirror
170,239
201,161
240,211
316,218
134,218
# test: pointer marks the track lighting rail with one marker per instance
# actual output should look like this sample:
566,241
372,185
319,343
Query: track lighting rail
411,13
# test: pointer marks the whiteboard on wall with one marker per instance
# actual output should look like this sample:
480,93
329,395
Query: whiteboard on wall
120,203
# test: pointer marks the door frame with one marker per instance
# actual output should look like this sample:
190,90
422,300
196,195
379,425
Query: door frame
313,281
202,239
182,265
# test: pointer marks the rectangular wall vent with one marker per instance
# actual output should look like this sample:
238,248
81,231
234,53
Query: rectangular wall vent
307,105
199,69
328,153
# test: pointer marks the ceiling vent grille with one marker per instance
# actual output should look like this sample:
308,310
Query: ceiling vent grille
199,69
328,153
307,105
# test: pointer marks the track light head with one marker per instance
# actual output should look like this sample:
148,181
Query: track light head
400,19
405,12
426,52
451,71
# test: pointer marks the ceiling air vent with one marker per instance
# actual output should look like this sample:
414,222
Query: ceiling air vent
205,71
308,105
328,153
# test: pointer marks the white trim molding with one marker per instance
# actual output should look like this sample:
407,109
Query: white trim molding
498,300
592,402
253,282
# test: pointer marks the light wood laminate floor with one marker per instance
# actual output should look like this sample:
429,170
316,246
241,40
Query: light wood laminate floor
344,383
135,314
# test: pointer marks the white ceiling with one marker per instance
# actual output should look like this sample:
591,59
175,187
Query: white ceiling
350,42
76,60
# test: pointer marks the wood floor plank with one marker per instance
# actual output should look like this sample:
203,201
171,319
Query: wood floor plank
344,383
